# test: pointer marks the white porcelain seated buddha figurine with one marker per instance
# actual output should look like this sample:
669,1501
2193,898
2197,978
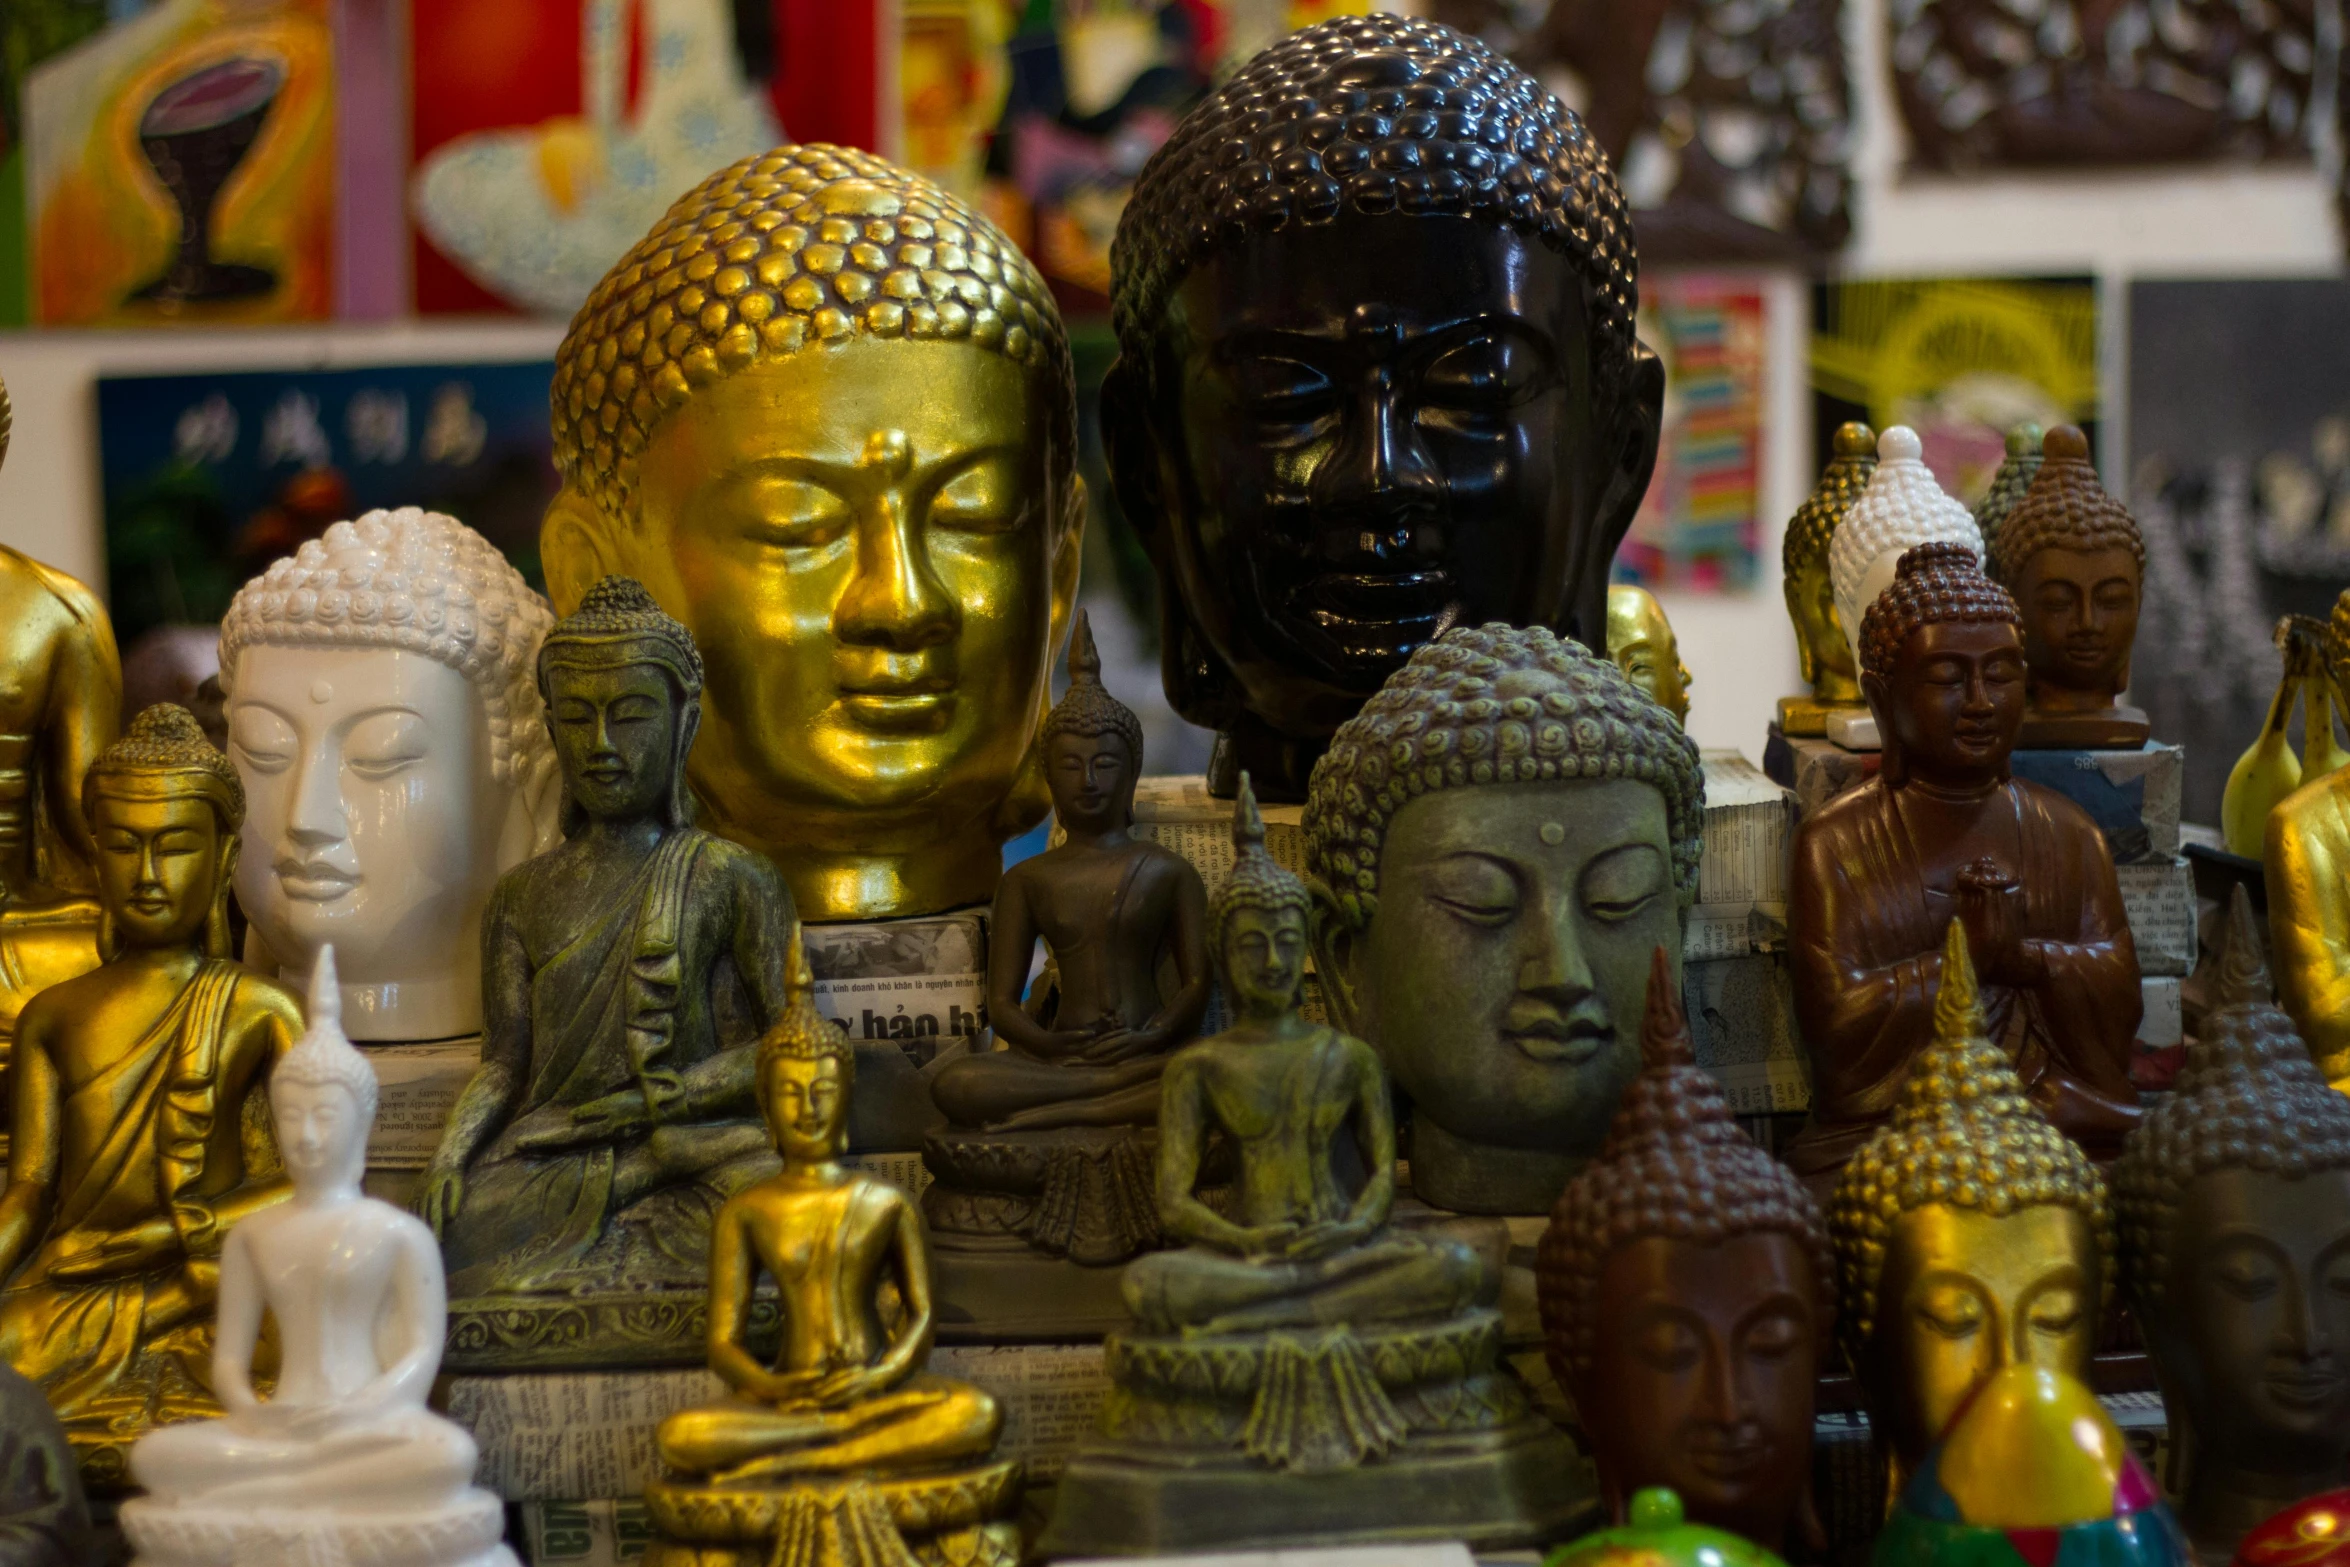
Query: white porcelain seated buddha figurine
343,1462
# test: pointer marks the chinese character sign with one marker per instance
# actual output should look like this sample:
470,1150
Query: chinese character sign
209,478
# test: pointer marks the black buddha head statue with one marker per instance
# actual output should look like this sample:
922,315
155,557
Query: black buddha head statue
1377,376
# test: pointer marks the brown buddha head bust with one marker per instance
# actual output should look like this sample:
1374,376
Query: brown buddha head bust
1377,375
823,411
1971,1235
1501,838
1688,1292
2072,556
1942,666
2234,1203
1821,641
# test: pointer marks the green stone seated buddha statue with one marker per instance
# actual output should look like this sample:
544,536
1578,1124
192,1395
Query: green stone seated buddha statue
1299,1370
625,976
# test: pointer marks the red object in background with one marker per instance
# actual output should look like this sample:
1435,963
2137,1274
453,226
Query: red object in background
827,83
479,64
475,66
2313,1532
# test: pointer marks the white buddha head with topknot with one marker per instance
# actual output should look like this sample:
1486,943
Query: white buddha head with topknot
322,1094
1902,508
385,719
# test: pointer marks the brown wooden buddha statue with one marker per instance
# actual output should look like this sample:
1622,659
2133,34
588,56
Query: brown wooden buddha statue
1944,832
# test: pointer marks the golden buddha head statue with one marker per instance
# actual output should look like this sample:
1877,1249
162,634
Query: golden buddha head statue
2073,557
1687,1289
824,413
806,1071
166,810
1820,639
2234,1207
1971,1235
1641,642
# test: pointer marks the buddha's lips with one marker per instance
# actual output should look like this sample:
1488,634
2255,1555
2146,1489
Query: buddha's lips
1570,1042
313,881
920,706
1727,1455
1350,599
2304,1389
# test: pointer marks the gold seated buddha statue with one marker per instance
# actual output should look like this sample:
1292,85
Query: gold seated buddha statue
844,1452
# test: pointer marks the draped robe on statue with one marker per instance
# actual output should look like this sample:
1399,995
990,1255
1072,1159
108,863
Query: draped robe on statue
1866,937
106,1350
607,1015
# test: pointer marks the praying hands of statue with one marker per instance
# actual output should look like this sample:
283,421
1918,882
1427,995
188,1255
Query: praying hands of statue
1991,906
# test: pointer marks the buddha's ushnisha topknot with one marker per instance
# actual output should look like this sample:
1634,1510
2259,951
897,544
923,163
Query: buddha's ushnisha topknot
2008,486
1378,114
801,1033
2067,507
1492,704
324,1056
1962,1134
2248,1098
1935,584
802,246
165,740
617,612
1258,880
1087,709
1675,1165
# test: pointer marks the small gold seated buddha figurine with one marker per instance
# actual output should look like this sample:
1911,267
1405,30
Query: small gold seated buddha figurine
845,1453
141,1131
1043,1174
2234,1202
1971,1235
2072,556
1300,1371
2307,857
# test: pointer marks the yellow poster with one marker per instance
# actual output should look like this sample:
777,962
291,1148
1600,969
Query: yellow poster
181,167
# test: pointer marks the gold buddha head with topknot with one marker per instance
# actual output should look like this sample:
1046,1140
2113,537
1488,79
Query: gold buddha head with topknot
2234,1202
1971,1235
807,1069
824,413
1821,641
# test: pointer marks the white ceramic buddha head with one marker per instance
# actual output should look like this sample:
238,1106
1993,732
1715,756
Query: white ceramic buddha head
322,1094
1901,508
384,716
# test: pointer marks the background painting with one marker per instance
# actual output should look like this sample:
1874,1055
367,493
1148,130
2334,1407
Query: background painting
1960,360
180,165
209,478
1699,525
2240,476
